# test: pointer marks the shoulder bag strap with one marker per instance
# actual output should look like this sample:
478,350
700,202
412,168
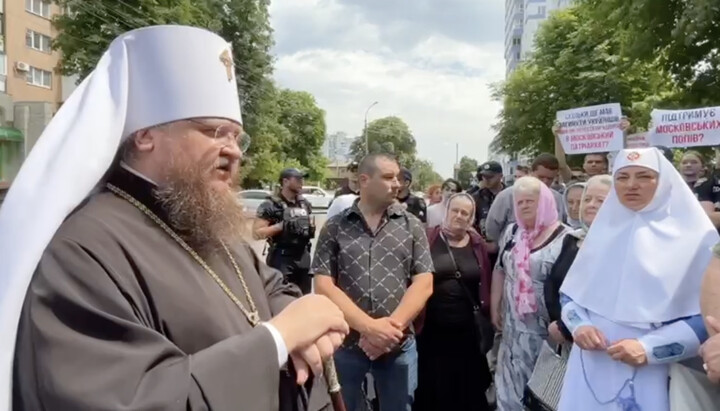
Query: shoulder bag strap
458,275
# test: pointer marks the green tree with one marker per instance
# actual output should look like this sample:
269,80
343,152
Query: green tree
467,170
388,135
424,175
682,36
577,62
305,122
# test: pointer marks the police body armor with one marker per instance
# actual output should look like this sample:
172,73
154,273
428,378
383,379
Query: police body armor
298,227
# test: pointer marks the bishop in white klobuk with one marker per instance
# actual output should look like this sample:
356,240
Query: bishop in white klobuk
632,297
124,276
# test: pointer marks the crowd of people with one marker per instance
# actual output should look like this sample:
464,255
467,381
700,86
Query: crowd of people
129,284
519,277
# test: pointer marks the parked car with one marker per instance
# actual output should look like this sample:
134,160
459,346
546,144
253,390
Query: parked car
317,197
251,200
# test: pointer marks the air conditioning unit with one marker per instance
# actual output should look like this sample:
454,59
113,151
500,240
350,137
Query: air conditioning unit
22,66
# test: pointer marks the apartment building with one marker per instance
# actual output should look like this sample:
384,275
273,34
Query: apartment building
523,18
30,89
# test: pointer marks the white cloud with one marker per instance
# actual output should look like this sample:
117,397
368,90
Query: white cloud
439,86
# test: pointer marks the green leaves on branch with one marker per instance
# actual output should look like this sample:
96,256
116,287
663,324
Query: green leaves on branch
388,135
578,61
466,172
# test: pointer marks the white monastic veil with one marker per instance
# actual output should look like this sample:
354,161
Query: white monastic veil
647,266
147,77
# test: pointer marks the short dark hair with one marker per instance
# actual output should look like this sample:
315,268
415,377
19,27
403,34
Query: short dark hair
368,165
546,160
449,181
523,169
603,155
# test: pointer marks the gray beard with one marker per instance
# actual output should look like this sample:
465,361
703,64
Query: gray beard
202,216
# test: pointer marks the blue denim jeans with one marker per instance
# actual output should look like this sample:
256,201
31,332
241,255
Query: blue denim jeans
395,376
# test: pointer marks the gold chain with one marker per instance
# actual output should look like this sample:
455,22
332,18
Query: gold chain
252,315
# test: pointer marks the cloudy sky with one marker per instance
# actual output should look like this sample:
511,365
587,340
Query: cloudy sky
430,65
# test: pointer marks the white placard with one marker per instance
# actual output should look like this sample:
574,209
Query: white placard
638,140
686,128
591,129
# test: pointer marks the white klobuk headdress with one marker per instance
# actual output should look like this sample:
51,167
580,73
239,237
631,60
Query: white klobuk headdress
644,266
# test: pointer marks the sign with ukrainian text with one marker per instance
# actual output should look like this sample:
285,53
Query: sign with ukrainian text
685,128
591,129
638,140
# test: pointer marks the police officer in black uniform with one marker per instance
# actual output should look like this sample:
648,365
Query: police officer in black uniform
414,204
284,220
491,183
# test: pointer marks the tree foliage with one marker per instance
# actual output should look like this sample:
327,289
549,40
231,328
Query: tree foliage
289,134
466,172
305,122
388,135
287,127
424,175
682,36
577,62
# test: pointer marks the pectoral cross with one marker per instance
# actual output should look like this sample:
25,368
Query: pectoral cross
227,60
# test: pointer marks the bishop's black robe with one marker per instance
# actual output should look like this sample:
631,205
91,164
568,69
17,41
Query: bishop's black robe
119,317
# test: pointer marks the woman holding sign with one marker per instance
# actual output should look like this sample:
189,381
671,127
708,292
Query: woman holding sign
632,306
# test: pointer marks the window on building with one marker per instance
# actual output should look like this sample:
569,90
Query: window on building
3,64
39,7
517,56
39,77
38,41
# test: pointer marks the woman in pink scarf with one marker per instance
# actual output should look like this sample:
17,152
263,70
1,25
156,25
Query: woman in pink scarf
528,250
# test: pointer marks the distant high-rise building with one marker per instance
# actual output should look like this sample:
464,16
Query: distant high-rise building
514,12
522,20
337,147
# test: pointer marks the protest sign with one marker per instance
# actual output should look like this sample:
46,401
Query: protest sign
591,129
685,128
638,140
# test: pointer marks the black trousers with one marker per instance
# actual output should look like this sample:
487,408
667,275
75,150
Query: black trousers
294,265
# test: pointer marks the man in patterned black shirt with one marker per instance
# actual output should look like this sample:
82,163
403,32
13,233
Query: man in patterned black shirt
373,261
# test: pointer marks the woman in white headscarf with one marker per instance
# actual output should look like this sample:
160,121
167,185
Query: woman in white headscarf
631,299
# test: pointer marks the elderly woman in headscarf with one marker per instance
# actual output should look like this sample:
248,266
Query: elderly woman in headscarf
528,250
572,197
631,299
593,196
453,371
436,212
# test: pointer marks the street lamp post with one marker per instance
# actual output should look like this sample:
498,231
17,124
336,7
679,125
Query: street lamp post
367,144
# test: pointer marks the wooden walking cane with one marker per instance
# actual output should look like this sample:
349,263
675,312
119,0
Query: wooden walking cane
333,383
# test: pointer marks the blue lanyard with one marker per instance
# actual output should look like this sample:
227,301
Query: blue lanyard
628,403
